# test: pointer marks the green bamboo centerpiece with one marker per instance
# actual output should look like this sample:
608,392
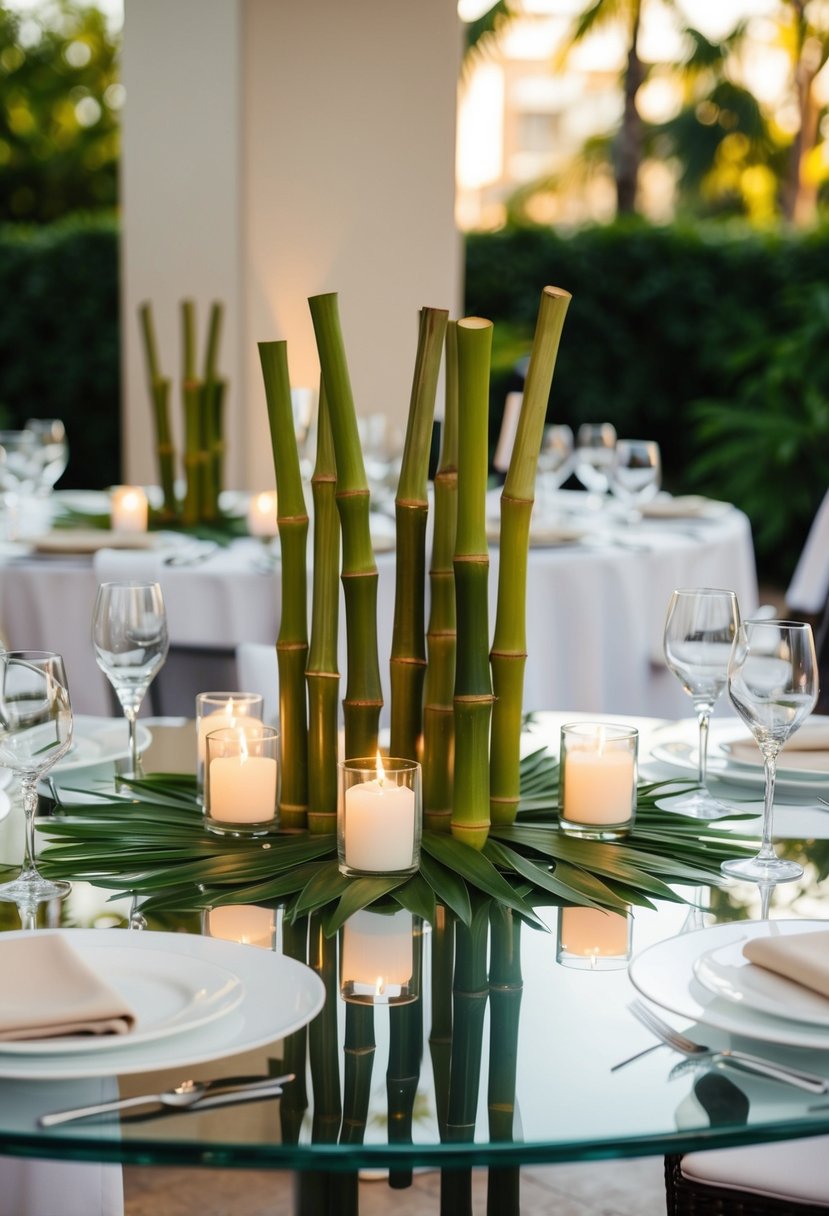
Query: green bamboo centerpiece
438,708
505,991
292,643
323,674
212,394
159,387
411,509
363,694
191,392
473,685
509,647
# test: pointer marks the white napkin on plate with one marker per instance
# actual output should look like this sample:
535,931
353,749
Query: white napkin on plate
807,749
802,957
48,990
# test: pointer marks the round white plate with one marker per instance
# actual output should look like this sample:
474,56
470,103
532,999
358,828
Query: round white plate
168,993
99,741
727,973
279,995
677,745
664,973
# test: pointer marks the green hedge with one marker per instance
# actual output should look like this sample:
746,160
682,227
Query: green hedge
662,320
59,342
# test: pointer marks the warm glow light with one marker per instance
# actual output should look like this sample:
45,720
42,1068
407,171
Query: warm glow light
480,128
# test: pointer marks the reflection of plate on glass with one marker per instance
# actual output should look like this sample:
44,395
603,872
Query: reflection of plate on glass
168,993
677,744
99,741
727,973
278,996
664,973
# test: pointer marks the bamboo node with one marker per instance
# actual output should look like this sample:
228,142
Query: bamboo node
508,654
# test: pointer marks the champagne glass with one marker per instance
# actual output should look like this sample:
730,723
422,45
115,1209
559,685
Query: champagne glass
636,474
773,683
700,628
35,732
595,447
129,633
52,451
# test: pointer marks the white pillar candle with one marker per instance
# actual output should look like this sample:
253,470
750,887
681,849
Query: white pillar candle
379,826
129,509
245,923
242,789
592,933
378,951
262,514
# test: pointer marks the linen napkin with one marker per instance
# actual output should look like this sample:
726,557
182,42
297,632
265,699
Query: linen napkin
807,749
802,957
48,990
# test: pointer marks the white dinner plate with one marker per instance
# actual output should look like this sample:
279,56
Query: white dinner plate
168,994
677,745
664,973
99,741
279,996
728,973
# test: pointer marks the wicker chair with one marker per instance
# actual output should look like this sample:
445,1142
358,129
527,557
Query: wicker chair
691,1196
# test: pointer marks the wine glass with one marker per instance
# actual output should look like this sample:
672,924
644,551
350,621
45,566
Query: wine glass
19,468
554,459
700,628
129,633
635,474
773,683
595,447
52,451
35,732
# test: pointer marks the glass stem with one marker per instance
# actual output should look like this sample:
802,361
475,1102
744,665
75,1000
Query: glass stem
29,785
704,719
135,762
767,852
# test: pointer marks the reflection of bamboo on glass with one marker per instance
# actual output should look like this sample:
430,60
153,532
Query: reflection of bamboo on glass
159,387
403,1072
505,988
358,1052
438,710
294,1101
440,1035
363,694
323,675
319,1191
408,649
292,643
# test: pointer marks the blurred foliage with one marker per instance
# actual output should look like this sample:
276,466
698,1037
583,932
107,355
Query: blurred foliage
59,343
664,319
59,112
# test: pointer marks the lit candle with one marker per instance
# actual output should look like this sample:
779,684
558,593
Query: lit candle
379,827
129,509
241,787
234,714
262,514
598,774
592,933
377,954
246,923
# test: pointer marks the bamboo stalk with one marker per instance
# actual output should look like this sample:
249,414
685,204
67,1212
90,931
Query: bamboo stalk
294,1101
292,643
473,686
408,648
403,1071
323,675
509,647
438,709
188,340
323,1038
440,1034
159,387
363,694
211,414
191,507
217,455
358,1052
505,990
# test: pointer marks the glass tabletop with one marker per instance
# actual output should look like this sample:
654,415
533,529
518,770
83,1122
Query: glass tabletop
443,1045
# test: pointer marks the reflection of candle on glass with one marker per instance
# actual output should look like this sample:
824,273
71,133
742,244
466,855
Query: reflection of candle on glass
599,781
129,509
379,825
378,952
231,715
591,933
262,514
245,923
242,788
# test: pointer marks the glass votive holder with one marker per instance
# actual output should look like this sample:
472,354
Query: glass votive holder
597,779
591,939
381,958
379,816
217,710
248,924
241,786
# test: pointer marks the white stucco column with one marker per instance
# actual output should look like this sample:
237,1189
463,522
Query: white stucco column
273,151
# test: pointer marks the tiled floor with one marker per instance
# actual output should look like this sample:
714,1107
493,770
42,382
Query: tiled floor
604,1188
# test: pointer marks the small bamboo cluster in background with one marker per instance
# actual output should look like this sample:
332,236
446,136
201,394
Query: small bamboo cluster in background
203,422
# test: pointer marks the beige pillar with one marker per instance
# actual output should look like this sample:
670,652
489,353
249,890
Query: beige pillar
273,151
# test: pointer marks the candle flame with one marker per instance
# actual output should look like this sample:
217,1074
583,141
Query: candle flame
380,986
381,772
130,500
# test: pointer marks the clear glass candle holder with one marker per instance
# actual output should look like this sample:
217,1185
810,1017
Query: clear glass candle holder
248,924
597,779
379,816
217,710
591,939
241,781
381,958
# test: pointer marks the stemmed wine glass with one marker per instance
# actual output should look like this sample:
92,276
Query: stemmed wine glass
35,732
595,447
636,474
52,451
773,683
700,628
554,459
129,633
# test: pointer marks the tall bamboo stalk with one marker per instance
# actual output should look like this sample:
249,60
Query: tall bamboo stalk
408,647
294,1101
438,709
363,694
403,1071
292,643
505,989
211,417
473,685
440,1034
358,1051
323,1038
159,387
192,459
323,676
509,648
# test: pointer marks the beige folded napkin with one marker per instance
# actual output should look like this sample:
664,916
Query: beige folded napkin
807,749
802,957
90,540
48,990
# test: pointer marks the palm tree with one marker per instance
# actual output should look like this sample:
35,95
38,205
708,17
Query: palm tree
805,29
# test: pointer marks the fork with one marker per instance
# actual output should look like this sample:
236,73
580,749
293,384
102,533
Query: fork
809,1081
